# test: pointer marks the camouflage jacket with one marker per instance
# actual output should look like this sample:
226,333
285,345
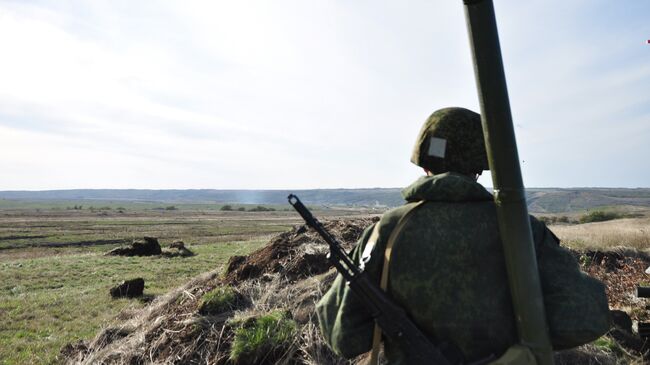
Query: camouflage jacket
448,272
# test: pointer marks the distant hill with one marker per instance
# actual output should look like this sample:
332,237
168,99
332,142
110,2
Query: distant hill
546,200
554,200
349,197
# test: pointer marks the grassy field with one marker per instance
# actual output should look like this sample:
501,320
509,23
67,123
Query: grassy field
603,228
629,232
54,277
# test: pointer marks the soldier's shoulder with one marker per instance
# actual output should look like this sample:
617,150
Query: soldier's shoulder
392,216
541,232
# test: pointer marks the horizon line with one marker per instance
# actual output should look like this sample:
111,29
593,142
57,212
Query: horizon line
291,189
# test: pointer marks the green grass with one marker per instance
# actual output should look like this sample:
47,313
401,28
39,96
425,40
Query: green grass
599,216
126,206
603,215
256,338
74,229
54,278
218,300
608,344
47,302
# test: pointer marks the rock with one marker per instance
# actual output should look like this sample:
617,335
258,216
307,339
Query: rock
128,288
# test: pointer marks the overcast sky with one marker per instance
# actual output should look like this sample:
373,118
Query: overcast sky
308,94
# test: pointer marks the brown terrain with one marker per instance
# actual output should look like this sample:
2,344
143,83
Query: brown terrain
290,274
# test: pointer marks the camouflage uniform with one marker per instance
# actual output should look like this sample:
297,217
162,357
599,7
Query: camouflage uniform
448,272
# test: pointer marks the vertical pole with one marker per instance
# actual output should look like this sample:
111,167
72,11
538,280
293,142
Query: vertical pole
512,213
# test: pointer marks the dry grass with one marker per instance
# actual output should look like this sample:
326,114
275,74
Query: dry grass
133,339
631,232
152,334
170,330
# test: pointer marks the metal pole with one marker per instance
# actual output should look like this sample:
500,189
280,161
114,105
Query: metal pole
514,224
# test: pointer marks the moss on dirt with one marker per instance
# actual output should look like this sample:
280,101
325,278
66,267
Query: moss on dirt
219,300
263,339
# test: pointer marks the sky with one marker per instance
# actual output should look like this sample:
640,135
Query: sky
284,94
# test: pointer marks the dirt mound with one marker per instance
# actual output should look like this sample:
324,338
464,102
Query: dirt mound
128,288
296,254
147,247
177,252
287,276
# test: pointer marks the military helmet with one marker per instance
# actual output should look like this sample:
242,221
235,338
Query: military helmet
451,140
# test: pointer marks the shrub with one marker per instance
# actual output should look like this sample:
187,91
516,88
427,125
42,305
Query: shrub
226,208
260,208
219,300
598,216
554,219
241,209
171,207
266,337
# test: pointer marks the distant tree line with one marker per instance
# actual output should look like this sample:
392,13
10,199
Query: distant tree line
556,219
259,208
589,217
601,216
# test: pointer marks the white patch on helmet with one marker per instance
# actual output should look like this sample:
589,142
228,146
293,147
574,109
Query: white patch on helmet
437,147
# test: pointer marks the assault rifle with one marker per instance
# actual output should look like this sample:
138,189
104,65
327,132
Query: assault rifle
392,319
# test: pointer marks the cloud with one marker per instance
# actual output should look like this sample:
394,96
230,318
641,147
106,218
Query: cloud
292,94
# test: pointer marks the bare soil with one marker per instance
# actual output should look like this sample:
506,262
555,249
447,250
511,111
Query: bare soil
296,254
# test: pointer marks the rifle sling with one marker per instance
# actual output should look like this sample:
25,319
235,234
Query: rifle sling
383,284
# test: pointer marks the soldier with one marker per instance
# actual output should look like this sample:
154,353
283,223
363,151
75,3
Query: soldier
447,268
